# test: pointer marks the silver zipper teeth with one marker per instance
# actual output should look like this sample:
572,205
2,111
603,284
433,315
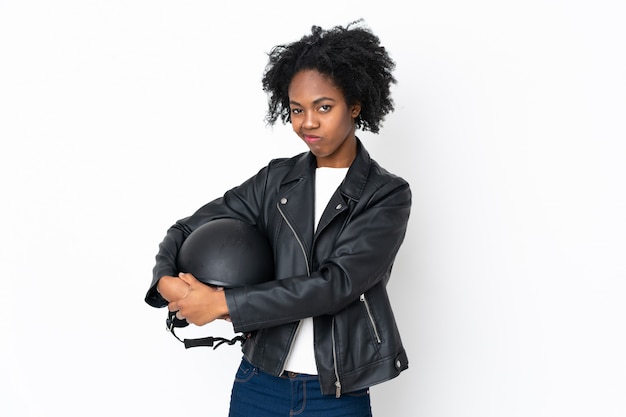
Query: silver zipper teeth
337,381
306,258
291,347
369,314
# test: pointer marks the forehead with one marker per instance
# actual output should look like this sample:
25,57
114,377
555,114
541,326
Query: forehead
311,84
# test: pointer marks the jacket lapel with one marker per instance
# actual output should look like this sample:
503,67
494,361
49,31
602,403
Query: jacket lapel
297,193
296,199
351,188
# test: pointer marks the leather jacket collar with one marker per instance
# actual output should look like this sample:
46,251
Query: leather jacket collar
356,178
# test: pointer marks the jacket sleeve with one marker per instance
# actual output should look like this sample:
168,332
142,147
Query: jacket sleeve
362,256
242,202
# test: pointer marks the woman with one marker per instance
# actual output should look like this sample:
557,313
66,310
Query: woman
322,331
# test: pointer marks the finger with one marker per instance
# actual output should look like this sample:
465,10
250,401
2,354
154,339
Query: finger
180,316
173,306
188,278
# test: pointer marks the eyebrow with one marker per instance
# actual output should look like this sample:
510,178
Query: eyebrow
316,101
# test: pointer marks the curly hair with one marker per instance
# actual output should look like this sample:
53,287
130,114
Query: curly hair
350,56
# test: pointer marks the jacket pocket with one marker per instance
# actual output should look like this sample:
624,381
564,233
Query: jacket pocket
355,339
370,318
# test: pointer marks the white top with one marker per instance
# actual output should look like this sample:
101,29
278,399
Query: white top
302,356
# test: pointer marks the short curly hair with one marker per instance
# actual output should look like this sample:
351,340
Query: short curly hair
353,59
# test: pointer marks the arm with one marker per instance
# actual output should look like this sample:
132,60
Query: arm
242,202
201,304
362,255
172,288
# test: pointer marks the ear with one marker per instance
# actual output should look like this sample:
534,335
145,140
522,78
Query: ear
356,110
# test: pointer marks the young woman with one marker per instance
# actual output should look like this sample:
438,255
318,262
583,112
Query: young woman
322,331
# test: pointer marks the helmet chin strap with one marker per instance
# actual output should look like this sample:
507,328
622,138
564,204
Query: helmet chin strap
172,322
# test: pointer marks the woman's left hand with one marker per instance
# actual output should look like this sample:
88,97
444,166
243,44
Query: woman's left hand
203,303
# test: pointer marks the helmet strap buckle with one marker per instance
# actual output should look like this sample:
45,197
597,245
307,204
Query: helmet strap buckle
211,341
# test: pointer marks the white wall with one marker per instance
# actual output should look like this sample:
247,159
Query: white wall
119,117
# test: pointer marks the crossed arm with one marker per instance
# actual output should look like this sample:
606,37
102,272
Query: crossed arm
193,300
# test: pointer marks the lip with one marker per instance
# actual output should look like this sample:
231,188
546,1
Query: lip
311,138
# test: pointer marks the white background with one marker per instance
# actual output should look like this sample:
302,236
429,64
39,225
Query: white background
119,117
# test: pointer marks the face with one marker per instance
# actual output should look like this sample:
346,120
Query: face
321,117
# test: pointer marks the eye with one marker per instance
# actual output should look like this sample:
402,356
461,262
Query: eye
325,108
296,111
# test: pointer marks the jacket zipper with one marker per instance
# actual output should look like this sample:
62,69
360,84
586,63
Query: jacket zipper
308,272
306,258
337,381
371,317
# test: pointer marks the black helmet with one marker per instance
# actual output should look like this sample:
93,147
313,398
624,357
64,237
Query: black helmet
227,253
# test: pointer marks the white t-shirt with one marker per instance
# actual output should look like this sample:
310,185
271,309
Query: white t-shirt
302,356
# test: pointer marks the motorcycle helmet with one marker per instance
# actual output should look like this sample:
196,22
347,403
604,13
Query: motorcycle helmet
224,253
227,253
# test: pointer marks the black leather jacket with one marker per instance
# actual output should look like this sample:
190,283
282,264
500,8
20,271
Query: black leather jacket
337,275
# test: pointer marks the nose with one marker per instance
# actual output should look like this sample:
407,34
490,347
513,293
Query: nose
309,121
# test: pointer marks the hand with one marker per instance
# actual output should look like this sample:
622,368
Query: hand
202,304
172,288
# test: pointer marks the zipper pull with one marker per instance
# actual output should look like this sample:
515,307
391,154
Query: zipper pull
338,389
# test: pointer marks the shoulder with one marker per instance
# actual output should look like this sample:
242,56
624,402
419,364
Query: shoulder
381,175
287,162
291,169
384,184
376,174
368,180
280,165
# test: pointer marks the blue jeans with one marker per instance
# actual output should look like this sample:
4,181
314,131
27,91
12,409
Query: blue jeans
256,393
